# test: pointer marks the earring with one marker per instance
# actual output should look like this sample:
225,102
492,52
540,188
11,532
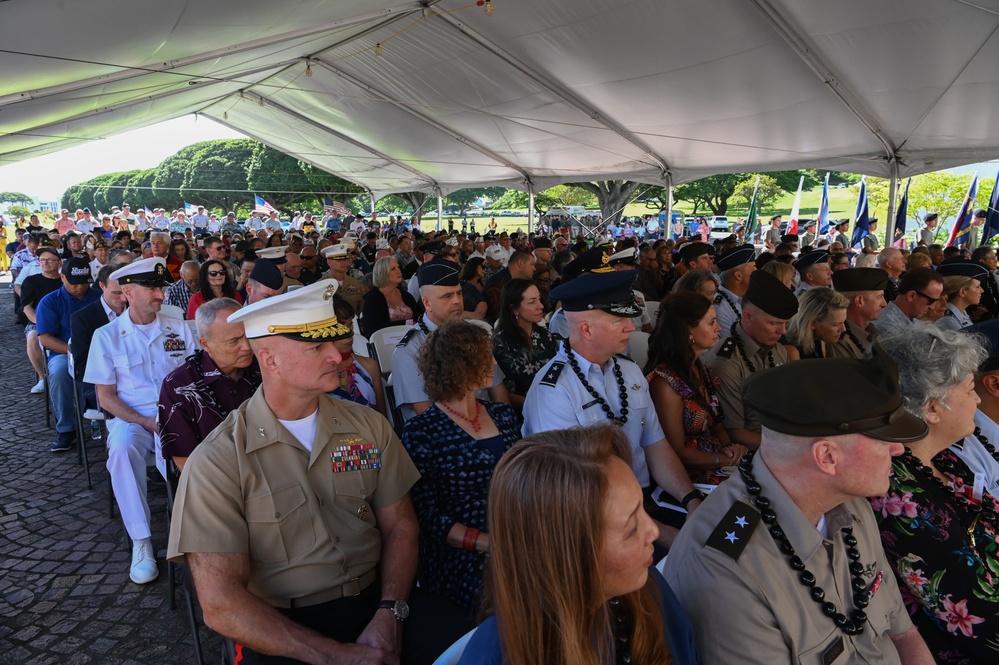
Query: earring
691,339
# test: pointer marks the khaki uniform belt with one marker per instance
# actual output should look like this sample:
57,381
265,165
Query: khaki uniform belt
349,588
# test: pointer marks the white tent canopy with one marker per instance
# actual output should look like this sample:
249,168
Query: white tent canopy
540,93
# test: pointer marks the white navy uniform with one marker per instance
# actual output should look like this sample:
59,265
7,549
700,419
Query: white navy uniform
558,400
136,359
407,381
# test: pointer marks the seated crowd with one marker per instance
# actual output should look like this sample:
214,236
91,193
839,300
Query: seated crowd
806,436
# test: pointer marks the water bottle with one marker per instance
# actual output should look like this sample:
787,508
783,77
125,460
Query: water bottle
95,430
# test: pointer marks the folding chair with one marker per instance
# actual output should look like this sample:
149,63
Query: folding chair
639,345
174,571
381,346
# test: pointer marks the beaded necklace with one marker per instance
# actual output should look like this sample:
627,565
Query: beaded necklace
853,338
731,303
854,625
618,375
985,444
622,628
745,356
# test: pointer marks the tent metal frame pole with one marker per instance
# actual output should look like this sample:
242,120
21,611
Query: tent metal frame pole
440,208
320,126
809,55
550,85
892,194
169,66
668,228
530,207
385,97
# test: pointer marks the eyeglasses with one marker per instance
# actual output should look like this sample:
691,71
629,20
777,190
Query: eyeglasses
928,298
215,273
308,258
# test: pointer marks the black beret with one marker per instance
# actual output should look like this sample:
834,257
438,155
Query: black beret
809,259
692,250
608,291
964,268
735,257
439,272
981,213
267,273
860,279
857,397
241,246
542,243
771,295
930,217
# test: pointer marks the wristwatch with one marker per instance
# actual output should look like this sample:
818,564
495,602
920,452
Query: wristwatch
399,608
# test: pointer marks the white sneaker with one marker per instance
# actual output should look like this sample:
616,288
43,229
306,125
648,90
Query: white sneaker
39,387
143,568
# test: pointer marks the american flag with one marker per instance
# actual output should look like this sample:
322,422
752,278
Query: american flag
330,206
263,206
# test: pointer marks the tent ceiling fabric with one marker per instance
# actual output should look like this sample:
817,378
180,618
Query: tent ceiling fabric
540,93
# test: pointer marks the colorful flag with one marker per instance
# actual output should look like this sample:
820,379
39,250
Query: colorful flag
962,225
189,209
861,220
263,206
792,226
823,215
148,211
900,217
330,207
752,214
992,219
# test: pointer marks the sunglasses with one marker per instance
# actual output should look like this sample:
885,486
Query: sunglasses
215,273
928,298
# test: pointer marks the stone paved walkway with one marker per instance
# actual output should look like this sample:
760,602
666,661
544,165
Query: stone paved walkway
65,596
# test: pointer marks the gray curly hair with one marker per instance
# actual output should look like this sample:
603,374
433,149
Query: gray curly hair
931,361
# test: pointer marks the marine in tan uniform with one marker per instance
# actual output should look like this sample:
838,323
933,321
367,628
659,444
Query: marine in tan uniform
865,288
790,544
294,515
351,289
752,345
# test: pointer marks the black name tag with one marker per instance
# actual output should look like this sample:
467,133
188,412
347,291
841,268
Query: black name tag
833,651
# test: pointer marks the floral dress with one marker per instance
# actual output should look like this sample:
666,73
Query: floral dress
520,363
945,555
697,421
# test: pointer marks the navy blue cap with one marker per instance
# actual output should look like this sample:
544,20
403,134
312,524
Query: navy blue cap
963,268
607,291
735,257
809,259
596,260
439,272
267,273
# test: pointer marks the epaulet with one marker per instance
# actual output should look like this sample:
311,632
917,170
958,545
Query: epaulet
718,298
551,376
405,338
732,534
727,348
948,313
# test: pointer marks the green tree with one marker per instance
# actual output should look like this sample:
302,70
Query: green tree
274,174
138,192
513,199
462,199
109,189
17,212
612,196
216,176
19,198
569,195
767,192
71,198
329,186
715,191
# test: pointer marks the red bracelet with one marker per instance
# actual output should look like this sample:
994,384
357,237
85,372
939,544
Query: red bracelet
470,538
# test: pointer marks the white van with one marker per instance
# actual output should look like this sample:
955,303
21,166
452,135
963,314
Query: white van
720,228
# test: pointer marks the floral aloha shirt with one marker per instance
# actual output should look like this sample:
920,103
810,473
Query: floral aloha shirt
946,559
520,363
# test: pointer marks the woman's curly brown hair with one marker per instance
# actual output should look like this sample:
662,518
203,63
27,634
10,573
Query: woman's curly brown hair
455,359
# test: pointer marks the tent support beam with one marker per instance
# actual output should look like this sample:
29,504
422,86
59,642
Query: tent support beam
825,73
892,193
440,208
556,89
145,99
226,123
171,65
530,206
383,96
320,126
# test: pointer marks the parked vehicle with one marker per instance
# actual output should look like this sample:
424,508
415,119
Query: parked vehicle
720,227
